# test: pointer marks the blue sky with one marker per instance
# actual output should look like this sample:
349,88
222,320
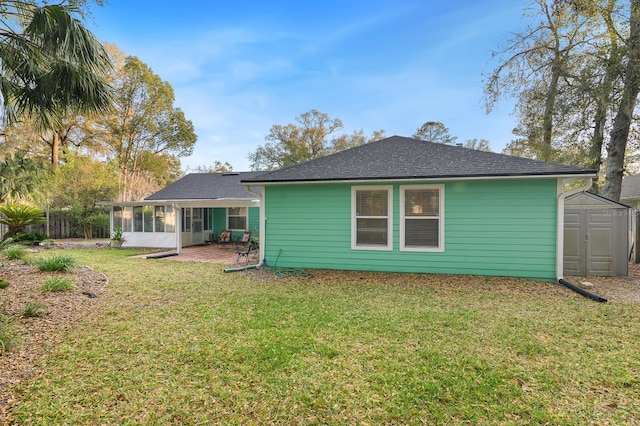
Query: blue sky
237,68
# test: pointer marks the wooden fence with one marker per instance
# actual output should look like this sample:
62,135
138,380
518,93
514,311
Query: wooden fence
61,226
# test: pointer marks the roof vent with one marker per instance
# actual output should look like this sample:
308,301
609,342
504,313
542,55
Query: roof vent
460,144
230,174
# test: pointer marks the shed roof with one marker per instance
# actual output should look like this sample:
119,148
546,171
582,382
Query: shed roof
206,186
402,158
630,187
586,199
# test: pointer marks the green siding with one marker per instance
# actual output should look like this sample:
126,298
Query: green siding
220,221
492,227
254,221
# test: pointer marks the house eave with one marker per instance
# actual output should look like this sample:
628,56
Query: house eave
581,175
191,202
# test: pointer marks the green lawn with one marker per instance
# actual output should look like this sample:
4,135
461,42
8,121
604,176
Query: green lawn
185,343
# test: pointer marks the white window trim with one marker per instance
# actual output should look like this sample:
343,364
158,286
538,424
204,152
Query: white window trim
354,228
440,247
246,219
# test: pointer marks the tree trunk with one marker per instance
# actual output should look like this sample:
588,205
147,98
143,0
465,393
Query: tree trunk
550,101
622,122
55,149
603,98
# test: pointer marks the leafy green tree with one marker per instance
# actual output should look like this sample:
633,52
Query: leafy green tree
143,128
18,216
20,178
78,185
51,63
218,167
434,131
537,61
314,136
478,144
575,74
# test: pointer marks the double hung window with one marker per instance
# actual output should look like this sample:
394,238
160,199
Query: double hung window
421,218
371,211
237,218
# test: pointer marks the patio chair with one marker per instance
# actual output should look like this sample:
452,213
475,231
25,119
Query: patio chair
225,238
249,249
243,241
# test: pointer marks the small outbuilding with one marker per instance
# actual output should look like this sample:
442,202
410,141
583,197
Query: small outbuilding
596,236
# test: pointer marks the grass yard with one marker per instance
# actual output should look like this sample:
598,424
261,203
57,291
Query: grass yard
185,343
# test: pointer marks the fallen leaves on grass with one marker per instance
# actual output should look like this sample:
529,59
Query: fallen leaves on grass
35,336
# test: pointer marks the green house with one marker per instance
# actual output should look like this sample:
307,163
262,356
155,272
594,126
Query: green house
406,205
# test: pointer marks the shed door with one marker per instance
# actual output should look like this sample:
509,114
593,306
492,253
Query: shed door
574,243
594,243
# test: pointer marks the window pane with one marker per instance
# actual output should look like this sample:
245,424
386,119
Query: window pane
208,223
159,218
186,220
237,217
170,220
137,219
372,202
421,202
127,216
148,219
371,231
237,211
117,217
237,222
421,232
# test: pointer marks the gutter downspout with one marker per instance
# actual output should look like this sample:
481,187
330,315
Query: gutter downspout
263,224
562,194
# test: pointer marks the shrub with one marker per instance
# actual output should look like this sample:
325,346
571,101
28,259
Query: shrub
55,284
33,310
3,284
13,252
56,263
32,237
17,216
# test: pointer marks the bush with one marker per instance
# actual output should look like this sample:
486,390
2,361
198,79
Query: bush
13,252
55,284
3,284
18,216
32,237
56,263
33,310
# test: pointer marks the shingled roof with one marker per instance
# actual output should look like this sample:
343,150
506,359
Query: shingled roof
399,157
630,187
206,186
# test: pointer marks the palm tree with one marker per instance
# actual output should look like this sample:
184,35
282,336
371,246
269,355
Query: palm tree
19,178
50,63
